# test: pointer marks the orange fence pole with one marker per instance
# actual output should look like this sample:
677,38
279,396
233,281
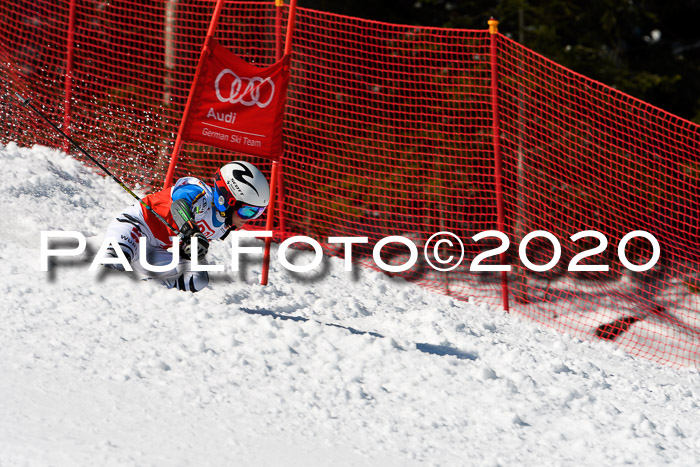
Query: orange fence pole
203,57
278,28
280,175
493,31
276,192
70,47
269,224
280,184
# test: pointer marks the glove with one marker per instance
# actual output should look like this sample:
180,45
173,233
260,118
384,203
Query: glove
202,246
188,232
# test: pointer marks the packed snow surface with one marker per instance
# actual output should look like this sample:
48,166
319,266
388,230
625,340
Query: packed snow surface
333,368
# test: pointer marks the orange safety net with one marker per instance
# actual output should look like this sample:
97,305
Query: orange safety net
389,130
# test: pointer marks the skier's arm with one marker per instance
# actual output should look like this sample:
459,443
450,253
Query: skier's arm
183,199
182,214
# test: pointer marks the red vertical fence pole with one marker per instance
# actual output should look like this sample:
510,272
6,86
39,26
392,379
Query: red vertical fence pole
269,224
287,50
68,95
280,195
278,28
493,31
276,169
203,57
280,176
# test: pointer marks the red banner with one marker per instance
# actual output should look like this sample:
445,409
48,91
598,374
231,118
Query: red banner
238,106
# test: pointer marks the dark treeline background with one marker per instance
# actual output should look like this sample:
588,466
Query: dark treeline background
649,49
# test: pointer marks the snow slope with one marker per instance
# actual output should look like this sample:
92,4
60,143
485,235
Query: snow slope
334,368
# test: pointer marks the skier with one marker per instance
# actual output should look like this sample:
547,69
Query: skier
240,193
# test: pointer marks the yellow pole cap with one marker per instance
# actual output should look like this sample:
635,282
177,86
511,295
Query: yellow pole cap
279,3
493,26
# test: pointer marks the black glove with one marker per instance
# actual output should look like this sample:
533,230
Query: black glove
188,232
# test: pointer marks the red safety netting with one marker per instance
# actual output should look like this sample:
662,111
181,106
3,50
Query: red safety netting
389,130
579,155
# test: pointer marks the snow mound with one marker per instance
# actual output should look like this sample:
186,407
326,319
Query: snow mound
329,368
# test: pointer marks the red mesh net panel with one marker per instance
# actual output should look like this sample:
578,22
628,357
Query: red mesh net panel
579,155
33,57
389,131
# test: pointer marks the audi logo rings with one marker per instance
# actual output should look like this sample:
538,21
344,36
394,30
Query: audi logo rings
246,91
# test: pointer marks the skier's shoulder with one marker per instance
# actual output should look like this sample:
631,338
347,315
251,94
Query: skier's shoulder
194,192
192,182
191,187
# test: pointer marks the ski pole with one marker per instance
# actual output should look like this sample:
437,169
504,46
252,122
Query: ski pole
26,102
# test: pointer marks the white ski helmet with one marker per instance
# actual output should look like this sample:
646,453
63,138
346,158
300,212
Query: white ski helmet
241,186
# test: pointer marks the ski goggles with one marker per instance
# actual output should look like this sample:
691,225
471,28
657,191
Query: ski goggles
247,212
